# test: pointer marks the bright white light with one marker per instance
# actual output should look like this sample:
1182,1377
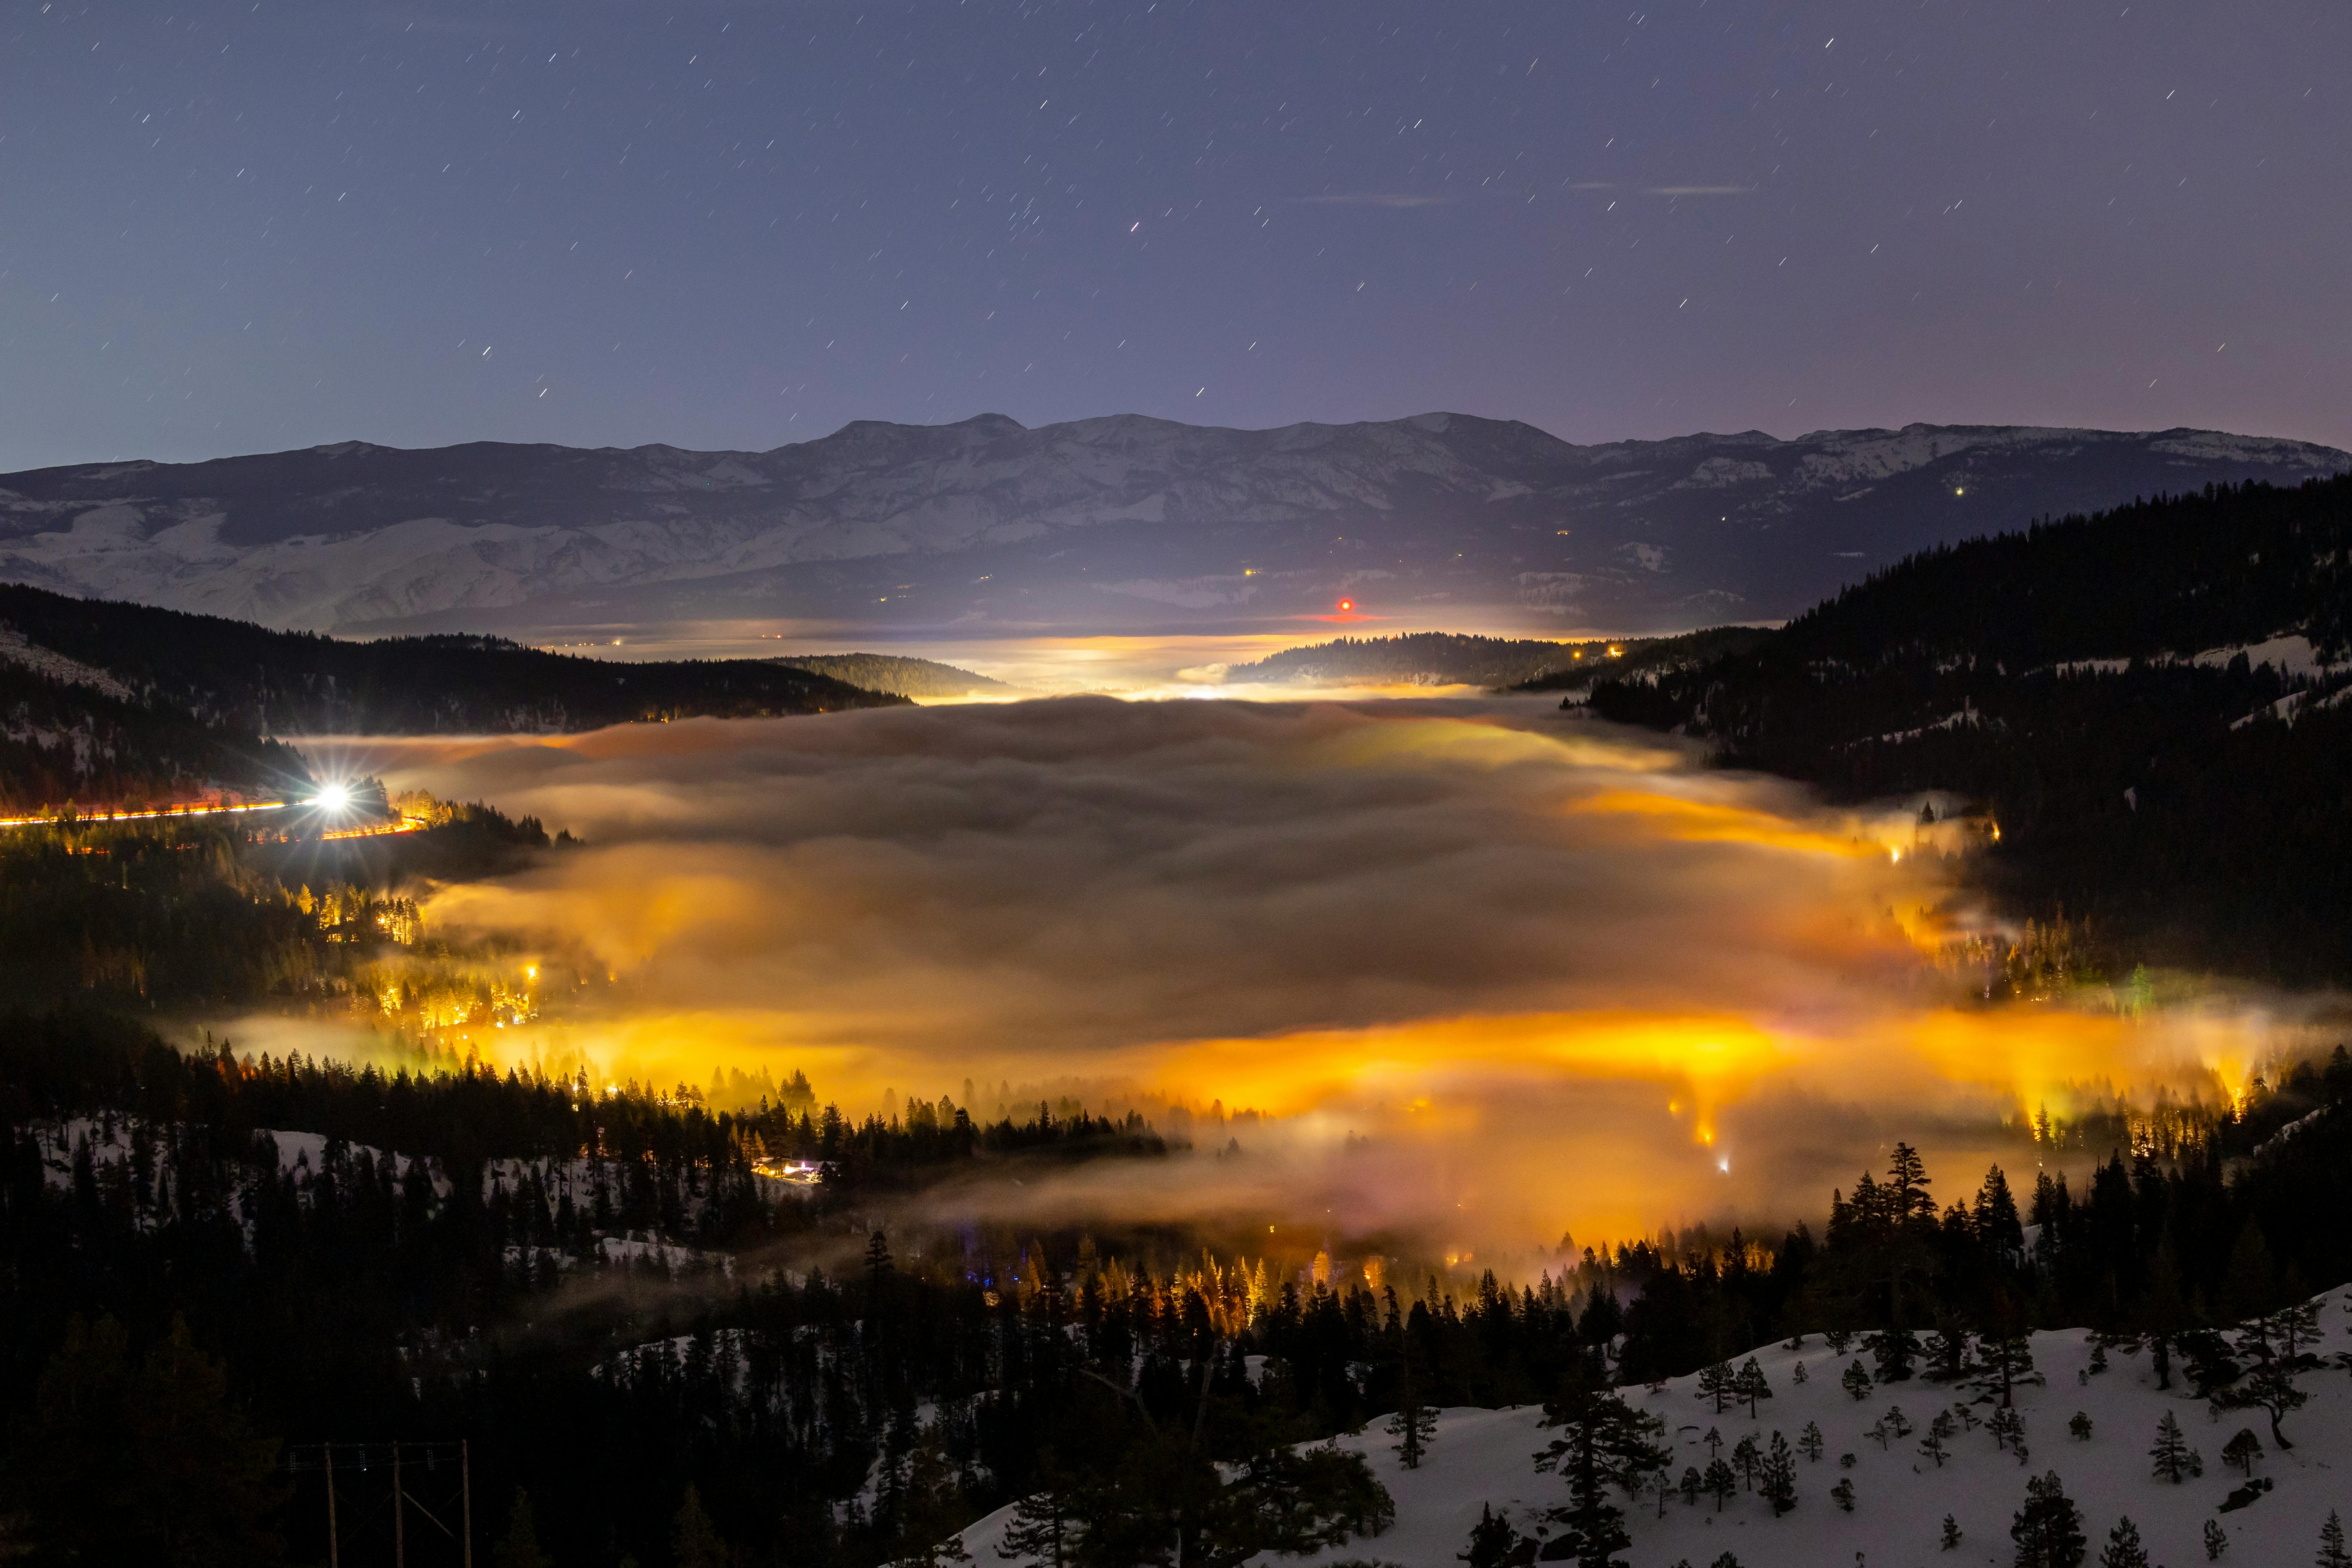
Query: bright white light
1724,1165
334,797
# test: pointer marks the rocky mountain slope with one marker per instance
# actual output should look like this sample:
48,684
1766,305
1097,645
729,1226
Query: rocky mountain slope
1103,524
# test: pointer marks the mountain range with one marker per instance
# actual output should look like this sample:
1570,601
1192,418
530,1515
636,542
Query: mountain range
1115,523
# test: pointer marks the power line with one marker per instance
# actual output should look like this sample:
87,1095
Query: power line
324,1458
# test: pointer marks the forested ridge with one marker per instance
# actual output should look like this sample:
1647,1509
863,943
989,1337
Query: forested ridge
591,1287
1453,658
2194,814
165,703
211,911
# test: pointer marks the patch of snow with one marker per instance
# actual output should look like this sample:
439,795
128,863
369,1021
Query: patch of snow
1483,1458
2289,653
16,650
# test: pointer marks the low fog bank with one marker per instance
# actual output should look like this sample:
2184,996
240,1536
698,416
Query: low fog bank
1489,972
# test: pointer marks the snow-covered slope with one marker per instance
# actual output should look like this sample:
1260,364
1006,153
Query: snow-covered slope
1101,522
1485,1458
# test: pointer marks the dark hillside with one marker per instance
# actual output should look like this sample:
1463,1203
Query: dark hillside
2197,812
106,703
1431,658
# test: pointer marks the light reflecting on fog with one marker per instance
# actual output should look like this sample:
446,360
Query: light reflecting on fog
1496,970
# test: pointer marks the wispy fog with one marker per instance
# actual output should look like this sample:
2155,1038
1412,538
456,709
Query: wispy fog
1491,972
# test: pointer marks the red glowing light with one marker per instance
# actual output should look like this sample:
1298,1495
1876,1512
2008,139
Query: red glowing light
1346,605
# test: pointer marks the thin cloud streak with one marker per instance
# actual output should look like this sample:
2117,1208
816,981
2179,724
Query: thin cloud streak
1376,199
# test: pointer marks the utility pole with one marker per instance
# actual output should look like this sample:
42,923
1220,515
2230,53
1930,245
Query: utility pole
466,1482
399,1537
334,1557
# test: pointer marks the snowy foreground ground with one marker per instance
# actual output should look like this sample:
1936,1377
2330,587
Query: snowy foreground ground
1486,1457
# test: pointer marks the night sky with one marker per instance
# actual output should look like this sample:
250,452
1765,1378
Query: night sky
241,227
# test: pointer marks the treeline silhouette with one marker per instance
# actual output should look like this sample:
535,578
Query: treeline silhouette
1532,664
2194,814
580,1283
213,910
193,698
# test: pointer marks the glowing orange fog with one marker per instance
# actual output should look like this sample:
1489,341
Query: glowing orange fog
1713,1053
1706,822
1550,973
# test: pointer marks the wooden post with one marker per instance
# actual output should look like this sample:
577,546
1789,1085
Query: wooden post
399,1538
334,1557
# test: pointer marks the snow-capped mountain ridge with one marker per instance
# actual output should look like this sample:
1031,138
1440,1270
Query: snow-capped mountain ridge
1096,520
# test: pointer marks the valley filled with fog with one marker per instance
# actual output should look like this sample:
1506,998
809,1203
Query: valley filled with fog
1439,976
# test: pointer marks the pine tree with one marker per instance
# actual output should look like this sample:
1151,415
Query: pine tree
1947,1352
2171,1451
1895,1352
2268,1387
1720,1482
1041,1528
2008,1429
2048,1530
520,1547
1606,1444
2122,1548
1841,1494
2217,1540
1780,1477
1951,1532
1748,1458
2242,1450
1856,1382
2005,1358
1810,1443
1492,1540
933,1506
1939,1433
1751,1385
694,1540
2080,1425
118,1462
1718,1383
2331,1534
1996,1217
1413,1426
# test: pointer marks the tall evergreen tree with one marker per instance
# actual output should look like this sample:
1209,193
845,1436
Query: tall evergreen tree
2122,1548
1042,1526
1603,1444
1751,1386
694,1540
519,1548
1718,1383
1780,1477
1492,1542
2170,1453
150,1462
2048,1530
2332,1553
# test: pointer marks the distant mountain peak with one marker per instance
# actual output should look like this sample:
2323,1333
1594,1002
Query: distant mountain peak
1115,523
